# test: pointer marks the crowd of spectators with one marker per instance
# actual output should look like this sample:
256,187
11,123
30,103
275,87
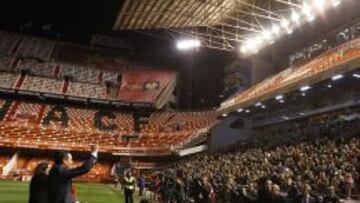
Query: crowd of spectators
311,160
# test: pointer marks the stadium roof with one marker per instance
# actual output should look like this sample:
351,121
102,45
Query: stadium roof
154,14
219,23
228,25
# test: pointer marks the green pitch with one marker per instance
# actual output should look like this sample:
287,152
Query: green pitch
17,192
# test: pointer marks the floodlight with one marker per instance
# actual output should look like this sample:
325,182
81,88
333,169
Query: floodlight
295,17
240,110
307,11
187,44
278,97
337,77
305,88
244,49
285,23
275,29
356,75
252,44
335,3
289,31
319,4
267,35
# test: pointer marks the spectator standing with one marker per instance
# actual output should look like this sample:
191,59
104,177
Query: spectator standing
129,187
61,175
141,185
39,184
305,196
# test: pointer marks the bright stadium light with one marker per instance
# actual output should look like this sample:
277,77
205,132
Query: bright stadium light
319,4
337,77
289,31
356,75
252,45
295,17
278,97
305,88
244,49
267,35
188,44
224,115
258,104
335,3
257,41
275,29
307,11
285,23
240,110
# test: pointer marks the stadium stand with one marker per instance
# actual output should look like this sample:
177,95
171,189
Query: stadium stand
329,61
103,77
8,80
42,84
34,161
4,159
86,90
46,69
26,64
296,152
6,63
8,42
111,77
146,86
31,47
79,73
101,172
42,125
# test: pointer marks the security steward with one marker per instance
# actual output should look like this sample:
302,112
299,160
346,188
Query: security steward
129,187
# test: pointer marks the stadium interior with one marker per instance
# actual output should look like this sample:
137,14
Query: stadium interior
221,101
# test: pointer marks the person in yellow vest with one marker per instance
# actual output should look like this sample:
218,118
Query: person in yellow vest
129,187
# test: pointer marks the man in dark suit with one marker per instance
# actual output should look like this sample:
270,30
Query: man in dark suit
276,196
331,197
61,175
305,196
264,192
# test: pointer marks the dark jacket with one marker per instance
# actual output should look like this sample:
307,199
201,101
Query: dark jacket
60,180
264,195
38,189
278,199
331,199
299,199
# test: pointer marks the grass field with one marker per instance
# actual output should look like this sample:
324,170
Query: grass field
17,192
